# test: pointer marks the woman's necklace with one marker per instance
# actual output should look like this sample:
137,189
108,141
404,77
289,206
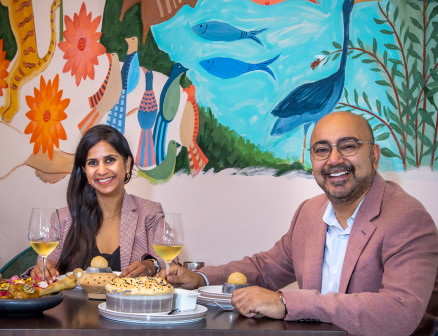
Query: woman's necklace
109,217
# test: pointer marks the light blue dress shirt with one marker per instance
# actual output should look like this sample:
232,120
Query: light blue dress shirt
335,246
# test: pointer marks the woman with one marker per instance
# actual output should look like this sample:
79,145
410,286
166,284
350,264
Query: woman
101,218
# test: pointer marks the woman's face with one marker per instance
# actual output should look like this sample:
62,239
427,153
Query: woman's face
106,169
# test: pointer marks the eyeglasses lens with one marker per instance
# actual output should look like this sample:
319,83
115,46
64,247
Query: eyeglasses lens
345,147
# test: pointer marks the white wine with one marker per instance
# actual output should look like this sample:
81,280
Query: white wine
44,248
168,252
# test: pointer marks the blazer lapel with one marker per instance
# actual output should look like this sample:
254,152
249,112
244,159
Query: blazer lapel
315,246
362,230
128,220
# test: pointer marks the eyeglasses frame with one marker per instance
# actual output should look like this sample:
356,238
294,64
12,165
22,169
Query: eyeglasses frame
359,142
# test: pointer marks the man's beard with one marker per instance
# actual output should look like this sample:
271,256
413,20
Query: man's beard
346,196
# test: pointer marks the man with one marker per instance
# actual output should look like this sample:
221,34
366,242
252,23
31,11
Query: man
364,254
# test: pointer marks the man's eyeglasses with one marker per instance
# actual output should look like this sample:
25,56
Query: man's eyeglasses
345,147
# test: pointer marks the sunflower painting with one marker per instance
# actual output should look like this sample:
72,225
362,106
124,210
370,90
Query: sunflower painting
47,110
81,46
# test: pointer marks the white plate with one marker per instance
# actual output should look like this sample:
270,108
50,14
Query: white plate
226,303
157,318
213,292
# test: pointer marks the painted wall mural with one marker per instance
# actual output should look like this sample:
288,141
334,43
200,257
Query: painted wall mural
206,85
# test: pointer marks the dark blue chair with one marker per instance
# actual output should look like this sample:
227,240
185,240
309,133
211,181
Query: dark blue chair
20,263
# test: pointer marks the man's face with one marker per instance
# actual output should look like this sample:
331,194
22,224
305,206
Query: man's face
345,179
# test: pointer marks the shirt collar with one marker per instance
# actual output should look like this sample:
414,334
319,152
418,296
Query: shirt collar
330,219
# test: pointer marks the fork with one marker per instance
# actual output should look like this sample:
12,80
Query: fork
223,307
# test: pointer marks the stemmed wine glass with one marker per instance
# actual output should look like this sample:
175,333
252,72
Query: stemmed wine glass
43,232
168,239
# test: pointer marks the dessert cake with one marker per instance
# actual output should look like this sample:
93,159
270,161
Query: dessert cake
235,280
139,295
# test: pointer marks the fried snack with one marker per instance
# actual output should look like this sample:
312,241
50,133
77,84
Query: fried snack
99,262
237,278
69,282
93,283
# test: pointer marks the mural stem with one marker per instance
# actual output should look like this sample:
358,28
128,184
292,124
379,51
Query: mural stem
391,81
402,156
424,76
432,159
405,63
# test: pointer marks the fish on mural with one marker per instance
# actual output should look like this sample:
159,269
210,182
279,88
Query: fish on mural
225,68
130,78
309,102
189,129
107,95
146,115
165,170
27,64
274,2
154,12
169,103
221,31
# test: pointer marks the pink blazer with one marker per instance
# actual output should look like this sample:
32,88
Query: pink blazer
389,269
138,220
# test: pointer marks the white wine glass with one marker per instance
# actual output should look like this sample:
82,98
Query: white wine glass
168,239
43,233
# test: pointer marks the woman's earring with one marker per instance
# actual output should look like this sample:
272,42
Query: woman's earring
128,175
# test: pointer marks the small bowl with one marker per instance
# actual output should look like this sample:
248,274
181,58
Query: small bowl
184,300
193,265
99,270
229,288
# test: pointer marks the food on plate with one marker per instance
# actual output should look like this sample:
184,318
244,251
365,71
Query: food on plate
99,262
99,265
93,283
17,288
235,280
139,295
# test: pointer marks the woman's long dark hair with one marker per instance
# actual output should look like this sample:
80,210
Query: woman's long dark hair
82,201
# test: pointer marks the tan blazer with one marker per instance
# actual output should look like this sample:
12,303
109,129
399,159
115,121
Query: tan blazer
138,220
389,268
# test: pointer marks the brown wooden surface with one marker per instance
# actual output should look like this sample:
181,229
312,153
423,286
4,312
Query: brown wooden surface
76,315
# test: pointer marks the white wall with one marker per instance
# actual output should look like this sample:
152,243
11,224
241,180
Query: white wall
225,216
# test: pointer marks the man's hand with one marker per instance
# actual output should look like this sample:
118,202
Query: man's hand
252,300
51,271
138,268
182,277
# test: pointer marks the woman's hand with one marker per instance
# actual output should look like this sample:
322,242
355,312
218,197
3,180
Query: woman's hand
139,268
51,271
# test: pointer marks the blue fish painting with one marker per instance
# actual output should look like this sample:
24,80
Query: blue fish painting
224,67
220,31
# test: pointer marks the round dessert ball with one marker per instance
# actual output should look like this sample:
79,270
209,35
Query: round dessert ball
99,262
237,278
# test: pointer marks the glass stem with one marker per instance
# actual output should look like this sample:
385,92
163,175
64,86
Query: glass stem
167,268
44,268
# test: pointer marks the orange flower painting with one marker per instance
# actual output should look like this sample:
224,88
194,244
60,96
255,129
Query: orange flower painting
4,64
81,46
46,113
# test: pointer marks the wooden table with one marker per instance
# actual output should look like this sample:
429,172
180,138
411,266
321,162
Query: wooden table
76,315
